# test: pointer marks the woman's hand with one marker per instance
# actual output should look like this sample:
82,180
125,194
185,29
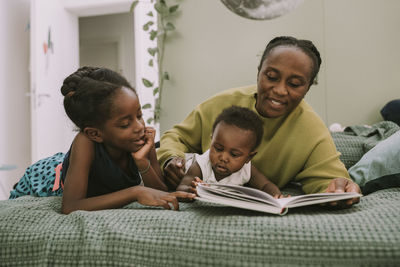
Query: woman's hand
340,185
174,172
152,197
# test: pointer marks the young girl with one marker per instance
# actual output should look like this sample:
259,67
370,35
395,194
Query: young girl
113,154
237,132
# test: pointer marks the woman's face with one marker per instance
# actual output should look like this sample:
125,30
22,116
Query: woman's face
283,81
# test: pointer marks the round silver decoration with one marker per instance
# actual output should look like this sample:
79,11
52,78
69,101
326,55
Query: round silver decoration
261,9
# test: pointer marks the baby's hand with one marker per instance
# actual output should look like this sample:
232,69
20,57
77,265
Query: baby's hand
281,196
273,190
196,181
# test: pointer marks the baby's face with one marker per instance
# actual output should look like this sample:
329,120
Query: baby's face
231,147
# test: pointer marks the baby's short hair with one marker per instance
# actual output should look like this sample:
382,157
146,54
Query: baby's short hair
242,118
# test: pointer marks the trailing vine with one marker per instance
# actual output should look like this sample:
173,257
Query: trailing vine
164,27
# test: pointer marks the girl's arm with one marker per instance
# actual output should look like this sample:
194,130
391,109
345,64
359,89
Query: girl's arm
76,182
190,176
147,163
259,181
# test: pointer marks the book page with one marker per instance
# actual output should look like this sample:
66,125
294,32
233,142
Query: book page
212,197
311,199
248,194
244,193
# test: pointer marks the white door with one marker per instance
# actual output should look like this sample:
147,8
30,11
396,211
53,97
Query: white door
54,55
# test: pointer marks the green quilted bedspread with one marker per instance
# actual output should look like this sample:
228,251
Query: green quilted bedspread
34,233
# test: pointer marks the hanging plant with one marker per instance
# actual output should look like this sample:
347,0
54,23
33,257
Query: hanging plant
165,13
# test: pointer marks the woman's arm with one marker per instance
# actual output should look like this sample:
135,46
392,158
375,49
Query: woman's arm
259,181
193,172
186,136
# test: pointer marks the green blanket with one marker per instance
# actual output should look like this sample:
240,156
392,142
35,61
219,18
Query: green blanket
34,233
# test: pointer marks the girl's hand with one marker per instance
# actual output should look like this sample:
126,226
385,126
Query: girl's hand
152,197
141,156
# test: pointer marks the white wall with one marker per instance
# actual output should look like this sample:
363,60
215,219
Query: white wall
362,41
214,49
16,146
14,84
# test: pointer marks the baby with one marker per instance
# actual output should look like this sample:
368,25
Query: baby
236,134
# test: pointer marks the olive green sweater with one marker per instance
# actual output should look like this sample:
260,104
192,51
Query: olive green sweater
296,147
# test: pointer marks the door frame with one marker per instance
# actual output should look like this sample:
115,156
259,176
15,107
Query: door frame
81,8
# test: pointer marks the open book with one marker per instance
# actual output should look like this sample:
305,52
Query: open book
253,199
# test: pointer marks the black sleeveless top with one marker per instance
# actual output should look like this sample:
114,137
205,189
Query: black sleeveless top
104,175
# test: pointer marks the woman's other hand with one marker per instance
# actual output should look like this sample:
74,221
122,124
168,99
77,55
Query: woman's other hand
174,172
343,185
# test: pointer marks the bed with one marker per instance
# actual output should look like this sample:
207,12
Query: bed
33,232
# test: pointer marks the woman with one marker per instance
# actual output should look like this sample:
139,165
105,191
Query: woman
296,145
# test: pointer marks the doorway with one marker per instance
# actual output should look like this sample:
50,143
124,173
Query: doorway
118,41
108,41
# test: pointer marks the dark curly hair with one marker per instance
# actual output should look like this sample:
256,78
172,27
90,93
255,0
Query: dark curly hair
88,95
242,118
304,45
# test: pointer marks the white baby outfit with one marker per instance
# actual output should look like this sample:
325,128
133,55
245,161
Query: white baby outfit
240,177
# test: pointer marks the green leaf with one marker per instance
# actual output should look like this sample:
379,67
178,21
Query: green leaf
166,76
155,91
172,9
146,106
147,83
133,5
151,63
153,35
146,26
169,26
161,7
150,120
150,14
152,51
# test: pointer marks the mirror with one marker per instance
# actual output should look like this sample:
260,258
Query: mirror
261,9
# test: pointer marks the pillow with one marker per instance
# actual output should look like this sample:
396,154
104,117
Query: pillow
391,111
357,140
380,167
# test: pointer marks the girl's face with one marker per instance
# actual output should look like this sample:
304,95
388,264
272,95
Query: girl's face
283,81
125,128
231,147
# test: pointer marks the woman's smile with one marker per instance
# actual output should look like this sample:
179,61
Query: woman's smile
279,104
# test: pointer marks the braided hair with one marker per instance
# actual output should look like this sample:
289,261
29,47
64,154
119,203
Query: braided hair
88,95
304,45
242,118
